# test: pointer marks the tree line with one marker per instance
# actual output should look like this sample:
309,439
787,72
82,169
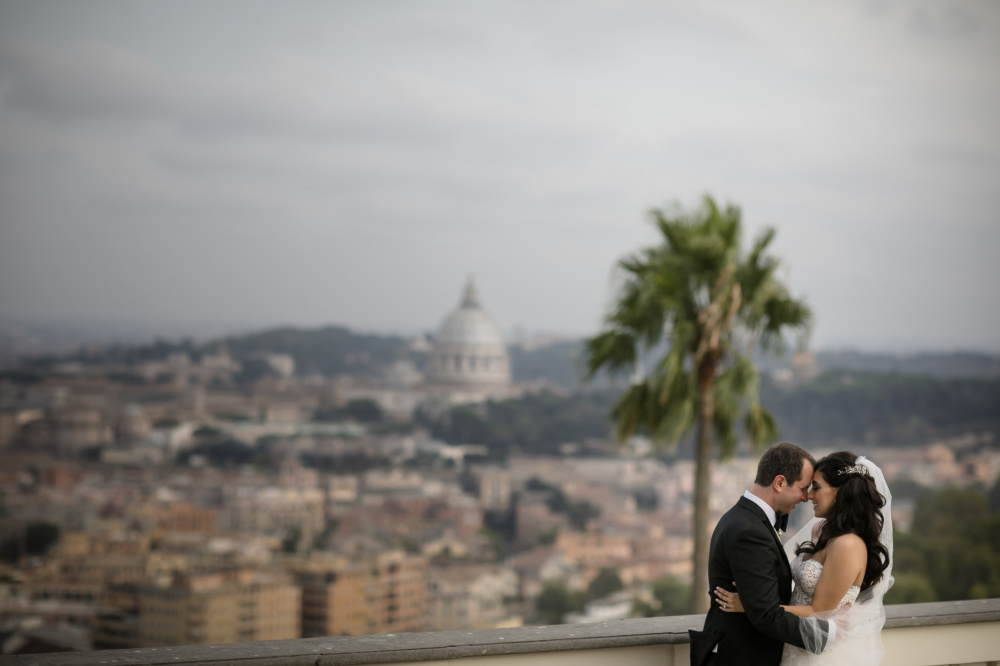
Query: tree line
837,409
952,550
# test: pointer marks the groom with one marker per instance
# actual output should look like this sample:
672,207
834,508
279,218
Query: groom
745,549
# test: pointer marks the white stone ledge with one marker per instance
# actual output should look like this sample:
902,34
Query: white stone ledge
637,642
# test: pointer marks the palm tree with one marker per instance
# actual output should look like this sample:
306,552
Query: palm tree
702,304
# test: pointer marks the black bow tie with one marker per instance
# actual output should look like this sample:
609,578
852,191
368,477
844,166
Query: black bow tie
781,522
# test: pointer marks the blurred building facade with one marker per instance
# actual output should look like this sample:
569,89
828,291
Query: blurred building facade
380,595
200,609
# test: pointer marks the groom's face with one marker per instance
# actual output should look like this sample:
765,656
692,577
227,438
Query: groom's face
797,491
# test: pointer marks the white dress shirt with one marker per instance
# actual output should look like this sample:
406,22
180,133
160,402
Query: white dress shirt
772,515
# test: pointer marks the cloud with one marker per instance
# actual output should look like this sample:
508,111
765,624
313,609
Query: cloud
452,30
522,142
94,81
948,22
293,115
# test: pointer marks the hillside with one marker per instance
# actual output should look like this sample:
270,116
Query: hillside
333,350
838,409
328,351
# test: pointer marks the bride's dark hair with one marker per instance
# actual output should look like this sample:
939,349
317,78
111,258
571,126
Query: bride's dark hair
857,509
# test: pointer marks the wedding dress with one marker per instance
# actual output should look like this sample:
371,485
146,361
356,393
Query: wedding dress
806,575
859,616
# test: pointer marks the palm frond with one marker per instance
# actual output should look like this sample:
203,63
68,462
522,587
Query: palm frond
631,412
612,350
669,374
760,426
673,419
734,389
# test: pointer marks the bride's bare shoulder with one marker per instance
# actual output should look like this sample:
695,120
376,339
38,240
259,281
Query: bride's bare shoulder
847,544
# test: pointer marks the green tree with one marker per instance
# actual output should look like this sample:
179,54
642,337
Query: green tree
548,537
10,550
670,597
954,545
702,303
557,501
607,581
910,588
581,513
363,411
555,600
994,497
646,499
293,535
496,542
537,485
39,536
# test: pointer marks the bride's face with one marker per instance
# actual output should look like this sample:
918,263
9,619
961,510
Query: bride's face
822,495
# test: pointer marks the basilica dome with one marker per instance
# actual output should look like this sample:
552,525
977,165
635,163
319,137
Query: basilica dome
468,349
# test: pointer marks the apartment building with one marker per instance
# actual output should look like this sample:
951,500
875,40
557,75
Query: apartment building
200,609
384,594
494,489
595,549
272,511
470,597
186,517
116,624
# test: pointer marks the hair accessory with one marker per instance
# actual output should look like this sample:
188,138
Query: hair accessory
856,468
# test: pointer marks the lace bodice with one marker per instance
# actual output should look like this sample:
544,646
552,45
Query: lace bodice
806,574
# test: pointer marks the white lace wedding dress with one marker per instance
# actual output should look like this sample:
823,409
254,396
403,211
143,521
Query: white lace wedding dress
806,575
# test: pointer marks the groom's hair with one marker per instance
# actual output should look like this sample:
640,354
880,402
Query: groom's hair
784,459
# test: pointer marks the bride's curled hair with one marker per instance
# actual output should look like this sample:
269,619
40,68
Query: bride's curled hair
857,509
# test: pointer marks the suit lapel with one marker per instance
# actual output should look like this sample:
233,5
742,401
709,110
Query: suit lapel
757,511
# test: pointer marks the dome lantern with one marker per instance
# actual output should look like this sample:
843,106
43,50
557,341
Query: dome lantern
470,299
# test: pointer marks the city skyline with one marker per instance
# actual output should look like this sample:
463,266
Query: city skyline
211,169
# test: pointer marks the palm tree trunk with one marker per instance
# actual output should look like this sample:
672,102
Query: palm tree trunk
702,488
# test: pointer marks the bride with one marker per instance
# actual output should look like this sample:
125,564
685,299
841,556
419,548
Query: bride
842,566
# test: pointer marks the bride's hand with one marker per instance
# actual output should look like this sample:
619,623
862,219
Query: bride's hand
729,602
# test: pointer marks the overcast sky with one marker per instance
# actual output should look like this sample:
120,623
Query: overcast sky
260,163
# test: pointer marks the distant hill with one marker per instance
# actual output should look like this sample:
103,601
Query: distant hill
941,365
860,398
838,409
329,351
333,350
887,409
556,363
559,363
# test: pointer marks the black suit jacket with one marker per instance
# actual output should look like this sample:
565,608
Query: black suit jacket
746,549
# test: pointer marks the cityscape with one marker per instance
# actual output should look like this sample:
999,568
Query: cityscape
185,500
